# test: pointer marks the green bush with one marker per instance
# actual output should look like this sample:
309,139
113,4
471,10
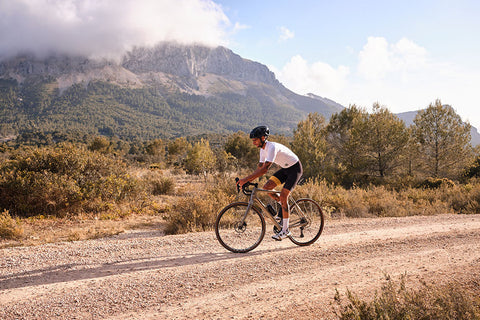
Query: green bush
61,180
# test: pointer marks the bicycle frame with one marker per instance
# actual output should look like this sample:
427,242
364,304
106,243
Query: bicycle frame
254,199
265,213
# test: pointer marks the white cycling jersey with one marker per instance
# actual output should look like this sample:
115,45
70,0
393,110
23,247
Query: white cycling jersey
278,153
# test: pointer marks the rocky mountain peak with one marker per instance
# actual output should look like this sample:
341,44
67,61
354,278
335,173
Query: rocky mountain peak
194,61
187,63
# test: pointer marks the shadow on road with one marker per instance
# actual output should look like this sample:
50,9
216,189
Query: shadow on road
74,272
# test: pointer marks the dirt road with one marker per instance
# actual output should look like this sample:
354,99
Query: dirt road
144,275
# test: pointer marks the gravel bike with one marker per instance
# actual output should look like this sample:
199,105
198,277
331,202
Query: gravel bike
240,226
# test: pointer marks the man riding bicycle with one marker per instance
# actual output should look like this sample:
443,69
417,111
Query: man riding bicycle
289,174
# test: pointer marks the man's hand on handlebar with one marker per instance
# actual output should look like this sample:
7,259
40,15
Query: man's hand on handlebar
244,186
241,182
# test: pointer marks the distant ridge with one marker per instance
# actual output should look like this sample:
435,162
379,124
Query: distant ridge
178,89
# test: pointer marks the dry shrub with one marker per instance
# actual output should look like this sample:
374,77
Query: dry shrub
163,185
395,301
10,228
197,209
435,183
158,184
463,199
350,203
62,180
333,199
317,190
380,201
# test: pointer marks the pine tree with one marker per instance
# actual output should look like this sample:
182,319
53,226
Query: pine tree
240,146
310,145
345,137
386,138
443,141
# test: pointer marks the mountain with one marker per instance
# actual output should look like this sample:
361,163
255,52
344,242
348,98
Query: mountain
409,116
166,91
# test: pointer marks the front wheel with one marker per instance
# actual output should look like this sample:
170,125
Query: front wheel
306,222
238,230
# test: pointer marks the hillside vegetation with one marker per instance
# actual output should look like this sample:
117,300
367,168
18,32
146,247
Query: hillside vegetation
99,108
356,165
170,90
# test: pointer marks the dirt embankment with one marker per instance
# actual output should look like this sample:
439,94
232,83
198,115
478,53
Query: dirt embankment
144,275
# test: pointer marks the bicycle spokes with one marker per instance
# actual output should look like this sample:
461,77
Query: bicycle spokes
239,230
306,224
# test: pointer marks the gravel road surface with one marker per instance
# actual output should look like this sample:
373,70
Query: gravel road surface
146,275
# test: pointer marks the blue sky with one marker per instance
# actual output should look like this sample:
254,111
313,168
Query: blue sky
401,54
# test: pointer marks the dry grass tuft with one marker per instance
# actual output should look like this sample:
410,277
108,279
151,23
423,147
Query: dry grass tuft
453,301
10,228
196,210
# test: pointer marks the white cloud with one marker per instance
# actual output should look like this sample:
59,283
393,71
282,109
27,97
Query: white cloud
302,77
402,76
378,58
106,27
375,60
286,34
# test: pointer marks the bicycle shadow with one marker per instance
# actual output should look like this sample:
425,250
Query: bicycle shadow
75,272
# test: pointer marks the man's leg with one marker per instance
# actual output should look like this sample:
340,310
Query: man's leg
284,194
270,185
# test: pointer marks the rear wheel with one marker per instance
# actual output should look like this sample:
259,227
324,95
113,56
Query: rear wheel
306,222
237,232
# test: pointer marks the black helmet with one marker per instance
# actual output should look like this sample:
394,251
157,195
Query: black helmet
259,132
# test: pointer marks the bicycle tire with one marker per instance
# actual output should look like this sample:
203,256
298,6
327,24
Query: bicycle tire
305,233
235,237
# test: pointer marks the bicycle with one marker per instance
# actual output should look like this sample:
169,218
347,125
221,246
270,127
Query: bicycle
240,226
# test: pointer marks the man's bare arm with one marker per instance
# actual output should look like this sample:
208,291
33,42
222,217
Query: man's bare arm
260,171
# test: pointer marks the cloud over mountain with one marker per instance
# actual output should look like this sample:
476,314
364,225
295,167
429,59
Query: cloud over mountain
106,28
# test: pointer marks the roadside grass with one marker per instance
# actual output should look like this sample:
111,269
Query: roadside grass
175,202
382,201
41,230
10,228
455,300
196,205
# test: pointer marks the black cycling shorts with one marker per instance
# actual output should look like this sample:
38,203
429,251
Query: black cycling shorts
289,176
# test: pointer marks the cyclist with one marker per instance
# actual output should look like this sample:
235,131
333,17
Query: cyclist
289,174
